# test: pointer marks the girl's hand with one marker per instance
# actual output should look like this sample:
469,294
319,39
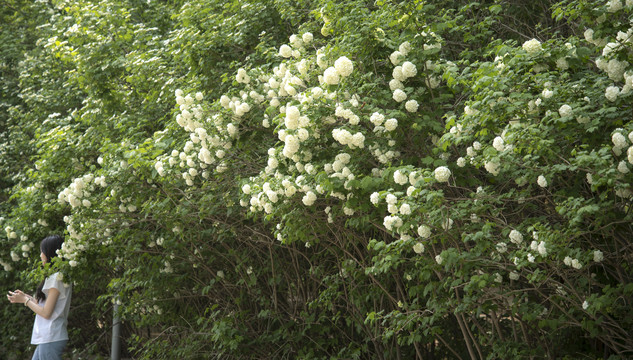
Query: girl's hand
17,296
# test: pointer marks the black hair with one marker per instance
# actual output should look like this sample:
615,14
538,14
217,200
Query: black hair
49,247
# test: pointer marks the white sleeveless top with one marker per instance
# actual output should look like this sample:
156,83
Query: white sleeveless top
53,329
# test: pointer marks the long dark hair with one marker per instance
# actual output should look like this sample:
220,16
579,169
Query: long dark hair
49,247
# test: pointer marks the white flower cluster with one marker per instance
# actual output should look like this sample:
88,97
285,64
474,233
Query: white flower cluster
492,166
614,5
344,137
6,265
400,178
598,256
539,247
498,143
78,192
343,67
442,174
204,149
392,222
241,77
616,69
565,110
575,263
401,53
73,245
309,198
516,237
411,106
11,234
424,231
400,74
532,46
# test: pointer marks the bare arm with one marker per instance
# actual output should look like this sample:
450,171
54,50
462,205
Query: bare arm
44,311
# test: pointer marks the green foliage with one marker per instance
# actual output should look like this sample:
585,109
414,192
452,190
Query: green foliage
320,179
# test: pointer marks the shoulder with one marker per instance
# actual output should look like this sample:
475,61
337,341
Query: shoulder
55,281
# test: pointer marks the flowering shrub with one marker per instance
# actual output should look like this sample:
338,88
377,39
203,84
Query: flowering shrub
382,181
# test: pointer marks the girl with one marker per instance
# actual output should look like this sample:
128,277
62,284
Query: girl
50,304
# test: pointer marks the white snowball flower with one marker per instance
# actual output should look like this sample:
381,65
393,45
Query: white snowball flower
623,167
391,124
501,247
516,237
546,94
392,222
439,259
589,35
542,250
498,143
619,141
615,68
565,110
562,64
400,178
447,224
405,209
404,48
285,51
534,245
513,275
409,69
307,37
391,199
470,111
398,74
598,256
424,231
374,198
418,248
461,162
399,95
309,198
576,264
612,93
492,167
395,84
614,5
411,106
395,57
541,181
344,66
292,117
532,46
331,76
442,174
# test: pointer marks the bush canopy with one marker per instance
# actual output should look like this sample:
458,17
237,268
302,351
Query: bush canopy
322,179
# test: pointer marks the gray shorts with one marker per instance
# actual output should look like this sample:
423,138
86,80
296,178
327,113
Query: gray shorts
50,351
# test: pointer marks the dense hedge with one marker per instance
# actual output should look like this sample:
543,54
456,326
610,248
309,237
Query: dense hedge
323,179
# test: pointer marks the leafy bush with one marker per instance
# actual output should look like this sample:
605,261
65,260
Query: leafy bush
412,179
